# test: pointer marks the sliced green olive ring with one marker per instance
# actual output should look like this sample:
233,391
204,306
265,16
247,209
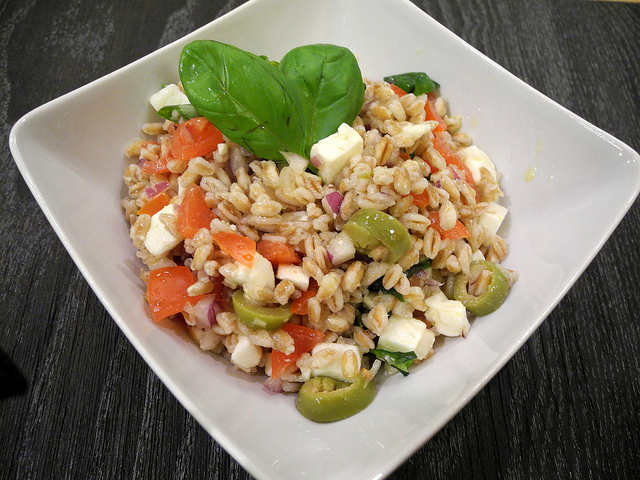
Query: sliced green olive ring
369,228
257,316
488,301
323,399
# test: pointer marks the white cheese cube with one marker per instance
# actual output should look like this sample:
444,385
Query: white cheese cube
415,130
474,159
329,356
491,219
255,279
406,335
295,274
169,95
246,355
335,151
449,316
341,248
159,240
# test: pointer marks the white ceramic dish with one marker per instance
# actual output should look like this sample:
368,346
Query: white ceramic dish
70,152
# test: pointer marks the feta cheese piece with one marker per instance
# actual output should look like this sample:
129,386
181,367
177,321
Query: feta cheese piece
169,95
295,274
335,151
491,219
326,361
246,355
406,335
415,130
341,248
159,240
449,316
255,279
474,159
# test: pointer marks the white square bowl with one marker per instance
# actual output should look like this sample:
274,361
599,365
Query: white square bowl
70,152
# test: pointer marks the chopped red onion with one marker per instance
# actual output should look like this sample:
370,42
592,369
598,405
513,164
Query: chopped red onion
214,309
274,385
156,189
237,160
334,199
316,161
201,310
430,282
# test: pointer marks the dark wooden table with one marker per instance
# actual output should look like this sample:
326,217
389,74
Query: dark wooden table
566,406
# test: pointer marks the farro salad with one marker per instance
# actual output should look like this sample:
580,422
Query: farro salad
312,226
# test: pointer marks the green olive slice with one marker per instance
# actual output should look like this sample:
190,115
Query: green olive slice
369,228
491,298
323,399
257,316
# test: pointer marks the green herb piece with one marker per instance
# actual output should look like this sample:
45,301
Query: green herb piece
413,82
331,82
177,112
248,98
418,267
398,360
376,286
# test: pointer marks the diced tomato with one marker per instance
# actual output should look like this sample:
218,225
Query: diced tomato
196,137
167,291
304,339
300,306
241,248
194,213
154,205
451,158
458,231
155,166
397,90
432,114
421,199
278,253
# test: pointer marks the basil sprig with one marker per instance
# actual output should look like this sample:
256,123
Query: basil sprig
398,360
413,82
270,107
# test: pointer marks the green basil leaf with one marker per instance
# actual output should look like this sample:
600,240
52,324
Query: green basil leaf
331,81
413,82
418,267
248,98
376,286
177,112
398,360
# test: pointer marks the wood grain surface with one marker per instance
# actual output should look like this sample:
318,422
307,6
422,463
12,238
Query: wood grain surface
566,405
